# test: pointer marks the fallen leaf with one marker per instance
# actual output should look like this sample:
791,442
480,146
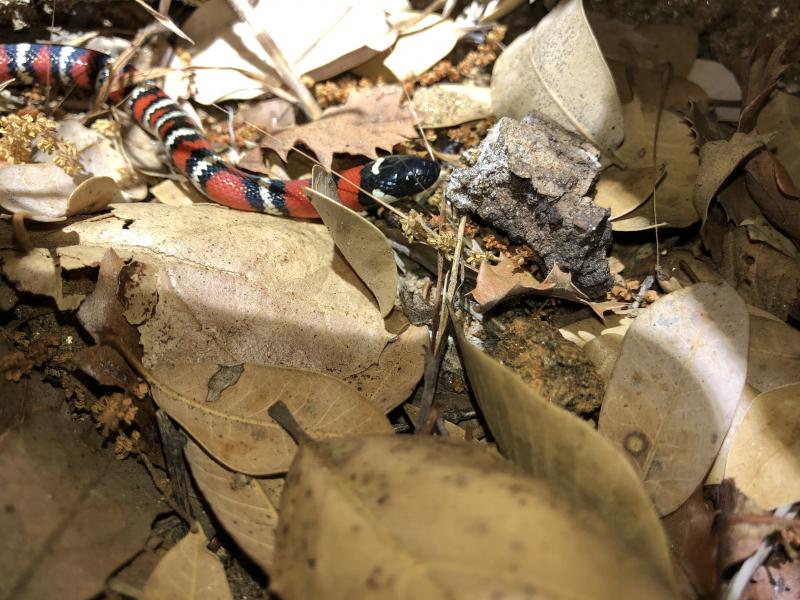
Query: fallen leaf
761,230
781,116
371,119
717,161
717,472
72,514
105,366
774,358
549,69
583,471
759,72
764,458
622,191
241,503
345,532
363,245
177,193
450,104
236,429
604,351
37,273
674,390
417,48
781,209
675,150
188,571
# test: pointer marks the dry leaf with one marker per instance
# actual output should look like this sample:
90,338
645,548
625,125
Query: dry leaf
764,459
774,358
717,161
781,116
235,427
37,273
604,352
759,71
177,193
717,472
235,287
549,69
362,244
675,149
584,472
370,119
188,572
622,191
241,503
450,104
487,529
674,390
781,209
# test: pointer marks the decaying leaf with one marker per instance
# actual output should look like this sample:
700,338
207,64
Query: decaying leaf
36,272
781,116
764,459
245,506
188,572
759,71
450,104
362,244
235,427
780,208
549,69
674,390
675,150
583,471
487,528
376,118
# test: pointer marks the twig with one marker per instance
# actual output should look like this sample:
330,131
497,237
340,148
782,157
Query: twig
166,491
307,101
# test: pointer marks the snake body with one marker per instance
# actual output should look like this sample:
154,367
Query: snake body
191,152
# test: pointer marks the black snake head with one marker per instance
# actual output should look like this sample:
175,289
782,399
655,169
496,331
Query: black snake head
399,176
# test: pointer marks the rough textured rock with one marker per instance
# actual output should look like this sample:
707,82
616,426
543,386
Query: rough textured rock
529,180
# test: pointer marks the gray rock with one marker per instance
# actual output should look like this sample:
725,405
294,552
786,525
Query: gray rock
529,179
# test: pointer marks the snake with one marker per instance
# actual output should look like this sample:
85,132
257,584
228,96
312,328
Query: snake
387,178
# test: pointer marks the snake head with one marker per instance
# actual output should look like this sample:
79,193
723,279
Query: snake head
399,176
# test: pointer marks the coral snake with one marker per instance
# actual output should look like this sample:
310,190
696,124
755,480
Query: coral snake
191,153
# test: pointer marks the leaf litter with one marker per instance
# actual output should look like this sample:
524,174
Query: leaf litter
280,354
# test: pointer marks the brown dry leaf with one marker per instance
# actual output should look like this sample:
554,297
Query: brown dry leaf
450,104
72,513
241,503
622,191
506,280
604,351
188,572
487,530
717,472
394,378
376,118
674,390
362,244
549,69
780,208
774,358
233,424
717,161
235,287
675,150
37,273
177,193
764,458
781,115
583,471
759,71
105,366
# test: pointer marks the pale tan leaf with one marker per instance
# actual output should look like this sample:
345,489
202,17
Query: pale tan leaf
240,503
774,358
37,273
450,104
376,118
782,116
675,150
717,472
582,469
487,530
233,424
549,69
674,390
765,455
362,244
188,572
604,351
622,191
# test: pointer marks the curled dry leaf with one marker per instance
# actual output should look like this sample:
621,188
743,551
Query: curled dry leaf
245,506
362,244
782,209
487,529
549,69
376,118
781,116
764,459
674,390
450,104
623,190
583,471
234,426
188,572
235,287
37,273
675,149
